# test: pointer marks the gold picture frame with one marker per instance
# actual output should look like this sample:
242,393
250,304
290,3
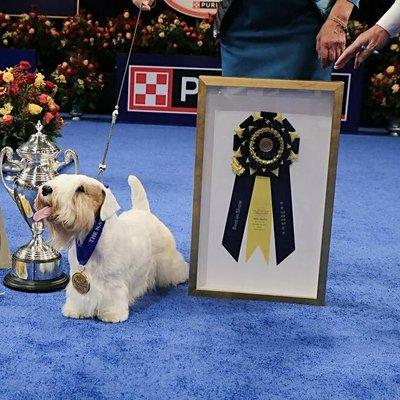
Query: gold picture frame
312,92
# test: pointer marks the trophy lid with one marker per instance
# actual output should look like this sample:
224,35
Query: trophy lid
38,144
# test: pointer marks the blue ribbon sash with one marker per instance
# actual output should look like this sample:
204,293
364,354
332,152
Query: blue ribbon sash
85,250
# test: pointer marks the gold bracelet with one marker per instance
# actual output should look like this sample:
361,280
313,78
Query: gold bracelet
339,21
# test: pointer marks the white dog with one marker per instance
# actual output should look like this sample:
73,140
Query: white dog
135,251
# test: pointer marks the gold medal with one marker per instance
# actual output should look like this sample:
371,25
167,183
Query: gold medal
80,282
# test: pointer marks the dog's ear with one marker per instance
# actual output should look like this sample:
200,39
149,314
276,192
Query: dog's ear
110,205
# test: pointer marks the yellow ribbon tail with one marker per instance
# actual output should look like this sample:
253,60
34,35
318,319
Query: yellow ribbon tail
260,218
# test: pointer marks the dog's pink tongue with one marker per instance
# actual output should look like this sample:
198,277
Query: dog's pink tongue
42,214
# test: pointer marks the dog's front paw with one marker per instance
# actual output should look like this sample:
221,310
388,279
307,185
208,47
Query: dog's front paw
113,316
70,312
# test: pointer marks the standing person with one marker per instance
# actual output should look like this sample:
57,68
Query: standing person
373,39
268,39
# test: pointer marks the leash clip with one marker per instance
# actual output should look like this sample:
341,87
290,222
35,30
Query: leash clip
102,167
115,115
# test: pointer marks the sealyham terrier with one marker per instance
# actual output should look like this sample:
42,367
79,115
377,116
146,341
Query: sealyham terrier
113,259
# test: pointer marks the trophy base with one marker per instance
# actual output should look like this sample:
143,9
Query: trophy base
36,268
44,286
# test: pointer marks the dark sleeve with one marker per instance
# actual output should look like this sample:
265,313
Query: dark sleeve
222,9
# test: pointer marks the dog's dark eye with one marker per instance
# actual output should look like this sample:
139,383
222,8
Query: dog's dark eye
80,189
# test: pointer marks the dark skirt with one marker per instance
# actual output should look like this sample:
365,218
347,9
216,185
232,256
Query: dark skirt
272,39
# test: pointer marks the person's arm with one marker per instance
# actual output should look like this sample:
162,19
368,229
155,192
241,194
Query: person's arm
144,4
373,39
390,22
331,39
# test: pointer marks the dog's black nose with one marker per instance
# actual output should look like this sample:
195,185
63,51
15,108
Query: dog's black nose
46,190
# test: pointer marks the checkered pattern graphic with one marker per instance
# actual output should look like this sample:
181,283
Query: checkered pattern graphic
206,5
159,89
151,89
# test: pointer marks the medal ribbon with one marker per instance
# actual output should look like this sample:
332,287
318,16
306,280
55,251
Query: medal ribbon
237,215
283,215
262,197
85,250
260,218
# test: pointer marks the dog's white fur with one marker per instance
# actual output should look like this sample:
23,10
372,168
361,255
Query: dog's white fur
135,253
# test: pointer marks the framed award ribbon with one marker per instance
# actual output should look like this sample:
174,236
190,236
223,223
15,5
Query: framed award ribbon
265,173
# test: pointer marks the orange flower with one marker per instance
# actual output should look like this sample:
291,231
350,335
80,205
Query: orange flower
47,117
43,99
7,119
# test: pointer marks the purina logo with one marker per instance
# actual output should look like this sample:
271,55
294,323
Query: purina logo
205,5
165,89
194,8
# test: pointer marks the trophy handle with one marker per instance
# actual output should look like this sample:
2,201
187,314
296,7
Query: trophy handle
6,153
69,156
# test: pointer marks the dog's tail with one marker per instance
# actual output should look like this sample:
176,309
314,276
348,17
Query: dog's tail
138,194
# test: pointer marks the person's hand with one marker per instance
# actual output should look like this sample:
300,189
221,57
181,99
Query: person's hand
143,4
331,42
368,42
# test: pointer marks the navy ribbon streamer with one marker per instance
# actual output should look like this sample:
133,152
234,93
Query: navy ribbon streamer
283,214
237,215
85,250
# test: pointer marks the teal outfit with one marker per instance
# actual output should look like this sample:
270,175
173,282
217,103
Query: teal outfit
272,39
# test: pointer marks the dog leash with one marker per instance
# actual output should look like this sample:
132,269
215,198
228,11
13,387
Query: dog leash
114,115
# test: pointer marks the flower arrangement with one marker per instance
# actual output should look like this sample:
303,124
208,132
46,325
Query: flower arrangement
25,98
169,34
385,91
31,31
78,82
120,30
95,38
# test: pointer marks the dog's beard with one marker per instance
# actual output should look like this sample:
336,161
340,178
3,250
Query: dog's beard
67,224
72,219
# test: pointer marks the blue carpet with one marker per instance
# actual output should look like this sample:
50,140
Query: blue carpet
179,347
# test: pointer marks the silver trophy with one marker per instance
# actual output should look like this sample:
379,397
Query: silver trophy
36,266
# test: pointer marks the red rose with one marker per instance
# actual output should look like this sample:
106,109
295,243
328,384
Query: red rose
7,119
379,96
48,117
3,90
49,85
43,99
14,88
30,78
24,65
